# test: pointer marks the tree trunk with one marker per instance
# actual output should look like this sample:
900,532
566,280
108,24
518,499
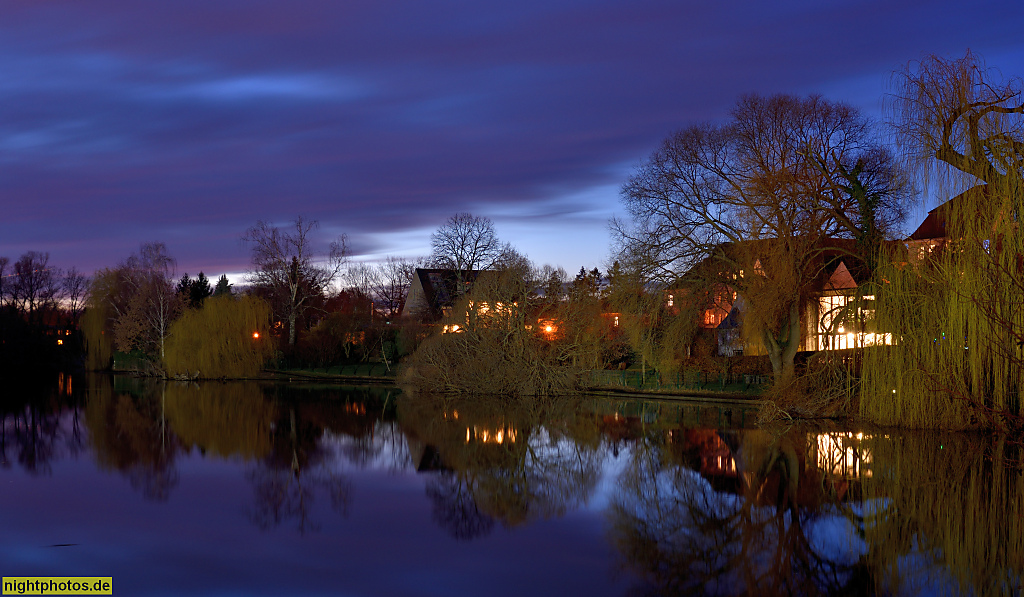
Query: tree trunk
782,350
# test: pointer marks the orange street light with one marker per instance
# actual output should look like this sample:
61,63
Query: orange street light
255,335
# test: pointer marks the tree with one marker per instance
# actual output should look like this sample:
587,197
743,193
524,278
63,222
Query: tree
226,337
35,285
955,120
194,292
752,203
958,314
74,290
223,286
286,266
465,242
153,302
389,282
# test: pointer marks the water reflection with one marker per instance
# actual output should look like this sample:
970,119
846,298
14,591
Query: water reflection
224,420
692,499
286,482
40,425
497,460
128,427
953,507
733,513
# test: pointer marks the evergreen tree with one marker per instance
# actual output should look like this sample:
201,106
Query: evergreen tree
223,286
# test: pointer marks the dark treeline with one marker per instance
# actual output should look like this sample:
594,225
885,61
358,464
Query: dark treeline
40,308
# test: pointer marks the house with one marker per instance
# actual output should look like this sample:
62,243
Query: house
836,318
833,317
434,291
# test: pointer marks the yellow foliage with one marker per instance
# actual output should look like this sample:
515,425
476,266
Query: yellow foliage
99,343
105,297
957,316
218,339
224,419
956,496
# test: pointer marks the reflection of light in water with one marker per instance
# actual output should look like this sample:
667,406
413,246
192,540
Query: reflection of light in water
841,454
490,436
64,384
718,465
356,408
727,464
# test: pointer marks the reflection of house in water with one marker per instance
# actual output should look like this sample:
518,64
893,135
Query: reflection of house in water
842,456
708,452
743,463
457,443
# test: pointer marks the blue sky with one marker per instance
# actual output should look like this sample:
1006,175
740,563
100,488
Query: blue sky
186,122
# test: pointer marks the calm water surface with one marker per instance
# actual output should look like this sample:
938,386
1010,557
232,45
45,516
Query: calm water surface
252,489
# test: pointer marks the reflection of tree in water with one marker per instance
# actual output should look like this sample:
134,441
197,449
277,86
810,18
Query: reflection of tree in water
130,434
953,505
229,420
40,425
285,483
686,538
455,509
497,462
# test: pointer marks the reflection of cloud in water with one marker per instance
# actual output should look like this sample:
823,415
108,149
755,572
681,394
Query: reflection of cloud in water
454,508
669,521
387,449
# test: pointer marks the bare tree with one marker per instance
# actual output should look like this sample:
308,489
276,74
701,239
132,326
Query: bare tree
35,285
388,283
957,120
5,281
286,265
465,242
753,202
153,304
74,289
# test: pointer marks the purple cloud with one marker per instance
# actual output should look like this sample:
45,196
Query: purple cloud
124,122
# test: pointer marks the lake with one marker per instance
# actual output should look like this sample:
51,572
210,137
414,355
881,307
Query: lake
246,488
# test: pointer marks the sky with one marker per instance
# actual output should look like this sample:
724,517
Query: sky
186,122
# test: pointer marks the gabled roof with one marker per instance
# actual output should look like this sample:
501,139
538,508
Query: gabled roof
841,278
434,290
934,224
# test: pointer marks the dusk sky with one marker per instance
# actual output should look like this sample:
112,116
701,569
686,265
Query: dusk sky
186,121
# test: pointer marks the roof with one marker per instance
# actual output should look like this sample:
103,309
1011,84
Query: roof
934,224
433,290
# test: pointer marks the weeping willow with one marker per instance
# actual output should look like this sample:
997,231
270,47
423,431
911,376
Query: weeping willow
660,325
226,337
955,310
957,499
491,345
99,343
223,419
954,304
